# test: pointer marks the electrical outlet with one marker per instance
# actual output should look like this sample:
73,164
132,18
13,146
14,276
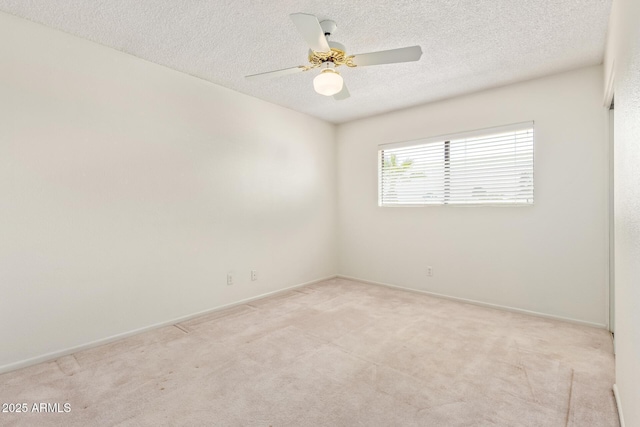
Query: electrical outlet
429,271
229,279
254,275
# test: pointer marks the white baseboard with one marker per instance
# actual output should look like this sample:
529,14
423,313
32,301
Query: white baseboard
481,303
618,404
60,353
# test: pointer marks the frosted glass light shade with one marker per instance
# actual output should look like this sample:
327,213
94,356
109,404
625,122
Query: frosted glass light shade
328,82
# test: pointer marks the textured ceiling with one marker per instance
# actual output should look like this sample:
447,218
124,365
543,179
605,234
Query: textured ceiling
468,45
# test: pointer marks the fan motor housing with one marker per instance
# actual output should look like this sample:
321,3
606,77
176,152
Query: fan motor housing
337,55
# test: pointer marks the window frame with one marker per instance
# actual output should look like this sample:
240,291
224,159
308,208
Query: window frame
445,139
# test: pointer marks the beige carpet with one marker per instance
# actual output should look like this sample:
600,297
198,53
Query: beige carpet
337,353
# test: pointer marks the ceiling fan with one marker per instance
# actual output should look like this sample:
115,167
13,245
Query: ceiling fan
329,55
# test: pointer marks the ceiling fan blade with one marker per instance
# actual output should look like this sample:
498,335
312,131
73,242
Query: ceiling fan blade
310,29
404,54
277,73
343,94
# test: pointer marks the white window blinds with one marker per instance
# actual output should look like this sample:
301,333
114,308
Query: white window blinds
489,166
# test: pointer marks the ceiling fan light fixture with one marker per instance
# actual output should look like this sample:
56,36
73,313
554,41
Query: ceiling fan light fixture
328,82
330,54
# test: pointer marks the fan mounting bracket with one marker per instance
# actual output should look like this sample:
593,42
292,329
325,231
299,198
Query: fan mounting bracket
328,27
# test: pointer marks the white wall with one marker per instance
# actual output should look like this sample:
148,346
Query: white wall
623,59
128,191
550,258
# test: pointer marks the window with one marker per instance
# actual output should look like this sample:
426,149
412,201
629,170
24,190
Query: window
489,166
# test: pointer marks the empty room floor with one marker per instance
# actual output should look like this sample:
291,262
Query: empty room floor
336,353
